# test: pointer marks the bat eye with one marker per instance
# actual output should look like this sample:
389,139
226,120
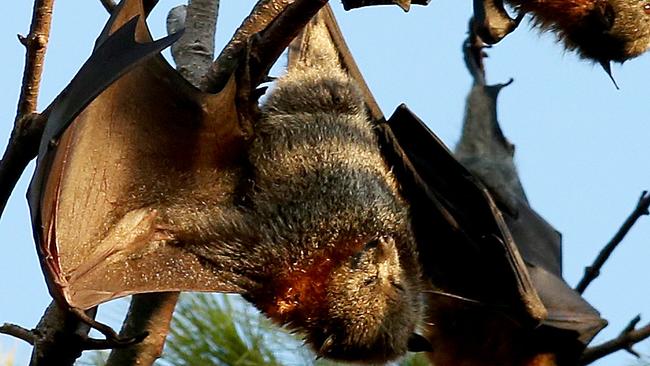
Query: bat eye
398,286
646,8
370,280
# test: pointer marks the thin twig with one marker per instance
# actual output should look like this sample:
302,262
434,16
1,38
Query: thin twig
28,126
628,337
109,5
36,45
18,332
593,271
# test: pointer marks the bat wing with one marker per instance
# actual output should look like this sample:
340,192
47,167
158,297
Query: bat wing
465,246
127,122
541,248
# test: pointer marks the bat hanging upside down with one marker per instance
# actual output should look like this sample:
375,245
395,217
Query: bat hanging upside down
317,235
599,30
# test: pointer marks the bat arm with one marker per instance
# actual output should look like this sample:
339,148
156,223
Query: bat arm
133,232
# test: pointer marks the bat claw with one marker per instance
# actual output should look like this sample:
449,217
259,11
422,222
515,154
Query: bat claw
111,343
113,340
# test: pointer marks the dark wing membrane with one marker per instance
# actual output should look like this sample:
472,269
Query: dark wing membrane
128,122
570,317
465,246
538,242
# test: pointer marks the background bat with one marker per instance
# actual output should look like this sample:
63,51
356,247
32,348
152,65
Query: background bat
571,322
599,30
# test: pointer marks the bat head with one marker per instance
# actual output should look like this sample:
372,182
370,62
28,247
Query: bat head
613,30
372,308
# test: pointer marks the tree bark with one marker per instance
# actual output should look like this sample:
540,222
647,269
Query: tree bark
194,52
151,313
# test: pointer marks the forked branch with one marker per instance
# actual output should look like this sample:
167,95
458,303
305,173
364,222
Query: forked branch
628,337
265,33
593,271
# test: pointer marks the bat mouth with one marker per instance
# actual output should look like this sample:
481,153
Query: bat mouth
336,347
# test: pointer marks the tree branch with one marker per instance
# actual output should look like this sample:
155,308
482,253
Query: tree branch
277,22
36,45
593,271
404,4
267,46
151,313
28,126
18,332
628,337
58,338
194,52
223,67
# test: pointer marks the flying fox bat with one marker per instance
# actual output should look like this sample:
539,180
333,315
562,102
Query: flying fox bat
571,322
145,184
602,31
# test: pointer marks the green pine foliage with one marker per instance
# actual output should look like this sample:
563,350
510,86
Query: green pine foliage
212,329
225,330
218,330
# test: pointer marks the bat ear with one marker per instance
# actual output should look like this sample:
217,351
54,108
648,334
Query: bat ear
418,343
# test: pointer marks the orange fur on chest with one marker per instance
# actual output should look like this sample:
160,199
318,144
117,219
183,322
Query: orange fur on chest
299,293
563,14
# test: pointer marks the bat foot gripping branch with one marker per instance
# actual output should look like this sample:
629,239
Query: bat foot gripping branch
113,340
492,20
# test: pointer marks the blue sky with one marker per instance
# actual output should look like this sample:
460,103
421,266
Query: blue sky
582,146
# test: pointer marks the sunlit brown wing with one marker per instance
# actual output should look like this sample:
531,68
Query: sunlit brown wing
108,136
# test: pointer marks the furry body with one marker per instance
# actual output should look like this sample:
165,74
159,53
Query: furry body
601,30
316,236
